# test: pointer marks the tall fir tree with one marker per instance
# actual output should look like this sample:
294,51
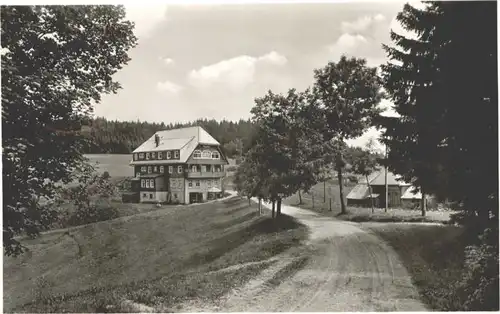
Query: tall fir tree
443,83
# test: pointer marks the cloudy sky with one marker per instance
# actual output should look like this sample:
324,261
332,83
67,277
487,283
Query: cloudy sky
211,61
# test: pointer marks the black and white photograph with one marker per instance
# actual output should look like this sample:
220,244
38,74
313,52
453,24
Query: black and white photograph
250,156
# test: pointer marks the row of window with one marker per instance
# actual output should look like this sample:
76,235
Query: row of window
194,168
197,154
154,169
206,154
157,155
148,183
206,168
210,183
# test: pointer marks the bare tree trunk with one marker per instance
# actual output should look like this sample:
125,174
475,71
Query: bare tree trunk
423,204
300,198
341,190
249,203
278,211
273,208
324,191
260,206
370,190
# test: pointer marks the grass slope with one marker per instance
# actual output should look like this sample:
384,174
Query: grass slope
159,259
434,256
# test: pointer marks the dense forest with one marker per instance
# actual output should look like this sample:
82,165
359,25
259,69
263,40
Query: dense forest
122,137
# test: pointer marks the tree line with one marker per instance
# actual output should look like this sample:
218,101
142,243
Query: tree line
122,137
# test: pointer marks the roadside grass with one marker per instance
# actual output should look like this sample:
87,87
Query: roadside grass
433,255
158,259
358,214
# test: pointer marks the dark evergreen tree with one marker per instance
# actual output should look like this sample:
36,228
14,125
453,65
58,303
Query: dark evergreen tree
444,87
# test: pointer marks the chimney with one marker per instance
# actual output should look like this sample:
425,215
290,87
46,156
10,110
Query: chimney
157,140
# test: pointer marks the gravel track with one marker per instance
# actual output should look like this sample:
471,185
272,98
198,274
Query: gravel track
349,269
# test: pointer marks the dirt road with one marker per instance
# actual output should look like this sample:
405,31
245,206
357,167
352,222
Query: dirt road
350,269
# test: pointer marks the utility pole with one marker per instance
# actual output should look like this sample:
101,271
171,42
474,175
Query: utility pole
386,185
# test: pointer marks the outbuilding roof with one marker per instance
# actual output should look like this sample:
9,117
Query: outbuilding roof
359,192
378,178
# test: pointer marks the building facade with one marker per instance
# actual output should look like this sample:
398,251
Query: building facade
182,166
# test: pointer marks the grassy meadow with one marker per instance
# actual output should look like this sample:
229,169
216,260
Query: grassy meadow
433,255
116,164
158,259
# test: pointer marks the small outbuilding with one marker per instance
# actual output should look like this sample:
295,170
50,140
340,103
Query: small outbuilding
360,194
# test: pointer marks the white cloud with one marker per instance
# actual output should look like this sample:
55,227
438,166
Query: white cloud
346,44
236,72
361,24
348,41
274,58
168,86
379,17
167,61
145,17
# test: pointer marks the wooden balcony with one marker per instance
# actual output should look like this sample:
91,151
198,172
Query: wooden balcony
206,174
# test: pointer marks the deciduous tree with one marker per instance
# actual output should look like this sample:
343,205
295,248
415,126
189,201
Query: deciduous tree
347,93
287,145
56,62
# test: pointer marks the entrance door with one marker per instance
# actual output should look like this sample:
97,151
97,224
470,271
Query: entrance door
195,197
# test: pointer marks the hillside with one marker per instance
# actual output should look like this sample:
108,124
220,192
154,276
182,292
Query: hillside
158,259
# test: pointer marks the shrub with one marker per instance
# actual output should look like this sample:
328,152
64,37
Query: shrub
87,200
231,168
478,290
90,214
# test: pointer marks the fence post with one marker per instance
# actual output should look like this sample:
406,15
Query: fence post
330,204
313,199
